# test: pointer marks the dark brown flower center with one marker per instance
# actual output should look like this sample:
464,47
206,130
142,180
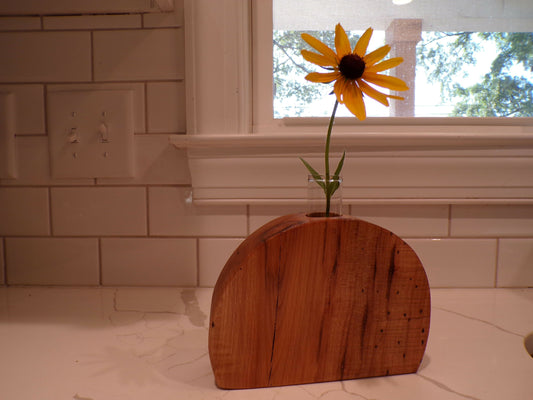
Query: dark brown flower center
352,66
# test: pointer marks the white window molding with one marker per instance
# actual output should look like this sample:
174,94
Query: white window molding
234,158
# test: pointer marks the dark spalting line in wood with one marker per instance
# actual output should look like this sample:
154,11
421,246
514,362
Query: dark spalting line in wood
390,276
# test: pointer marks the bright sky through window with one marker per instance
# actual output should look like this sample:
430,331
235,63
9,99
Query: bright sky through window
461,59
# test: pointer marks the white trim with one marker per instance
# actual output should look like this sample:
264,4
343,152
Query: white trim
394,177
218,66
516,139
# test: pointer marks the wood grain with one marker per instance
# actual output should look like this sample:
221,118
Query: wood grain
305,300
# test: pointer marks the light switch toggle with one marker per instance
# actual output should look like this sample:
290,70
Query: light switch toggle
73,136
104,133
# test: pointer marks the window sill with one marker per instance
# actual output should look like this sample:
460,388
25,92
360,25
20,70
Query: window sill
458,139
457,167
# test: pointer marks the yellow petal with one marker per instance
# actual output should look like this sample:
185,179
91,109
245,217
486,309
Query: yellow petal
370,91
390,96
322,77
389,82
339,88
319,46
376,55
354,101
362,43
384,65
342,43
318,59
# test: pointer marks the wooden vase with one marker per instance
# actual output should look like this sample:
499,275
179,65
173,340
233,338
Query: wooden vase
312,299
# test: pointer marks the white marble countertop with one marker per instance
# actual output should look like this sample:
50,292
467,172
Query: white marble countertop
151,343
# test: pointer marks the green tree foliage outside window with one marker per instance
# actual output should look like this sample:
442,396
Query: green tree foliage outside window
506,90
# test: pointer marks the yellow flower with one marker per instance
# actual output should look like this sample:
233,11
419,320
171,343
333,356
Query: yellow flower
352,71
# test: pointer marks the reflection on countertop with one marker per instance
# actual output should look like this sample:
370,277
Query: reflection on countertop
151,343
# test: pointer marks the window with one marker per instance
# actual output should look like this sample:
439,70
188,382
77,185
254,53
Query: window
461,59
238,153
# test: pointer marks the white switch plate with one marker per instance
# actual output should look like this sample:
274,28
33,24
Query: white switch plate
8,167
91,133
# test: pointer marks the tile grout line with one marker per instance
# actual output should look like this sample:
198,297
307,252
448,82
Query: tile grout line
4,257
497,262
449,220
147,210
50,213
100,263
91,36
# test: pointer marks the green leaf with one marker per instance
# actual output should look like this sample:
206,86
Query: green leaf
333,186
314,174
339,166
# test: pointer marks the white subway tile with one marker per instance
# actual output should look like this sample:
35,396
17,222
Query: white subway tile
167,19
149,262
45,56
171,215
406,220
73,22
166,107
515,263
157,162
19,23
163,20
261,214
457,262
136,88
213,253
33,164
98,211
138,54
29,108
52,261
24,211
2,265
492,220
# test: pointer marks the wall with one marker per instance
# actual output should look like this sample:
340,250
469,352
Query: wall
142,231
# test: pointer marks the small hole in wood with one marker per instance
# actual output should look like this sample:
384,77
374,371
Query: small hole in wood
397,292
381,330
399,341
404,314
422,341
212,324
404,355
423,330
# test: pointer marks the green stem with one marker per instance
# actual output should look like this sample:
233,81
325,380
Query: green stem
326,159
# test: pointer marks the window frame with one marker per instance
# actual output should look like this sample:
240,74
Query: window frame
262,23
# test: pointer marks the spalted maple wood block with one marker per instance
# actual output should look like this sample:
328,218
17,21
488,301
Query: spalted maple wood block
318,299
